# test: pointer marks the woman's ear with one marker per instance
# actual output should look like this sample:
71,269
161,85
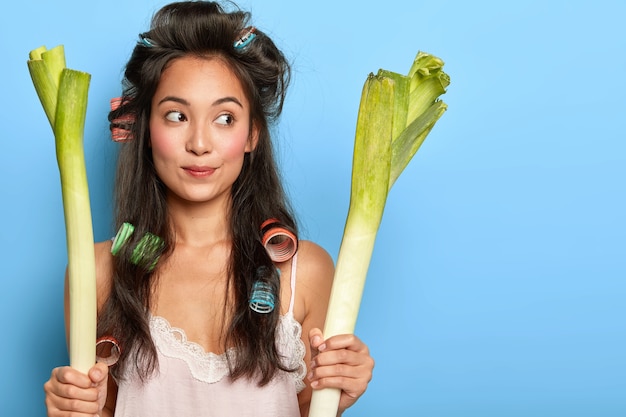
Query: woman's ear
253,139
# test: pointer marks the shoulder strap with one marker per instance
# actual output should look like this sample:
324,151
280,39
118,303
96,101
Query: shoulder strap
294,265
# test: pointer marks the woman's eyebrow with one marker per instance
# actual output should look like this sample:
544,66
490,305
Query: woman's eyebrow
174,99
228,99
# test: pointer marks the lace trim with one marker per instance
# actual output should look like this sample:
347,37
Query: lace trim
210,367
291,348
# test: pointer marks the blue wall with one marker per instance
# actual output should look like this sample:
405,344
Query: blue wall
497,283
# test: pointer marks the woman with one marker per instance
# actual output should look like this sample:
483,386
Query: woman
209,321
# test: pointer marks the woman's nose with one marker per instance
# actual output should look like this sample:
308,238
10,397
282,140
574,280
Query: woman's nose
199,141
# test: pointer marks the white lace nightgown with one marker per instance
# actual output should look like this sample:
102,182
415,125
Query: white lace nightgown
193,383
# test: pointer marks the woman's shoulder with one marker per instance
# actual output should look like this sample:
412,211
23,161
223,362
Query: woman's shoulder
315,270
314,260
314,277
104,258
104,270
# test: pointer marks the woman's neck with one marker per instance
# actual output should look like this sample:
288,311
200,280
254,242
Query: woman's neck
199,224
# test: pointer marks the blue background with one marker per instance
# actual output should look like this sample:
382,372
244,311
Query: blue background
497,283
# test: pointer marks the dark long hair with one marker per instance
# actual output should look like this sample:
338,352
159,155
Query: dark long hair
202,29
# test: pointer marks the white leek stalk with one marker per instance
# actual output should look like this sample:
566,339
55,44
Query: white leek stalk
396,114
63,95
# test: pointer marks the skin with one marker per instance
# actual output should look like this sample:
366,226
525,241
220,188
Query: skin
200,130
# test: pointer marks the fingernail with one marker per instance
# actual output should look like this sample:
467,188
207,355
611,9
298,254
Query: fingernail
315,340
310,375
322,347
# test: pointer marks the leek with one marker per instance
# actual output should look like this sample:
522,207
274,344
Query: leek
63,95
396,113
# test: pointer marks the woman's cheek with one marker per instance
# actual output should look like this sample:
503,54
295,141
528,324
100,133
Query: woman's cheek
235,149
162,140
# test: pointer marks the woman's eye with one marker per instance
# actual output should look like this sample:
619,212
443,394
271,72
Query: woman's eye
175,116
225,119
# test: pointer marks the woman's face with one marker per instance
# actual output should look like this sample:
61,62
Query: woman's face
200,129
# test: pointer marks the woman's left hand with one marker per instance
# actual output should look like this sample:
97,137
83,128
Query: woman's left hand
342,362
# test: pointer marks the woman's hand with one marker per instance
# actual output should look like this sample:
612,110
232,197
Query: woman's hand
70,392
342,362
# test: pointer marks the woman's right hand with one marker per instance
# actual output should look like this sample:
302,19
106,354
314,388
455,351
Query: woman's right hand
70,392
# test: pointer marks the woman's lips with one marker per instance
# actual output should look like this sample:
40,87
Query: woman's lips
199,171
